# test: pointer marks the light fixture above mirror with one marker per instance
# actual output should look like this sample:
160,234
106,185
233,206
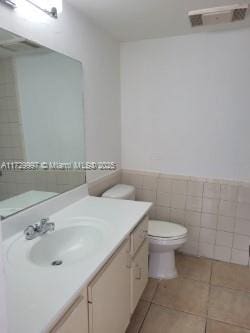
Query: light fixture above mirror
51,7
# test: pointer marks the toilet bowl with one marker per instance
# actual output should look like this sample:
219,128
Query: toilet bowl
164,237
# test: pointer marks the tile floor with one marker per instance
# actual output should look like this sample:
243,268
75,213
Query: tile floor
207,297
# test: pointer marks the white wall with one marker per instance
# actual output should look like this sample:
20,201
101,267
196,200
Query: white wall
185,105
11,139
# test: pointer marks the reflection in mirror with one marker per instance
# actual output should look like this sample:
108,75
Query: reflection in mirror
41,123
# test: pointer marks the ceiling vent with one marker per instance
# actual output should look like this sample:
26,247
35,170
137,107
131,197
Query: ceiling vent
225,14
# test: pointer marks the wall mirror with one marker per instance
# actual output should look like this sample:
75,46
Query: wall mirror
41,123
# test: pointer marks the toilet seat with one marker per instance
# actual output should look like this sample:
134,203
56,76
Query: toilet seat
165,231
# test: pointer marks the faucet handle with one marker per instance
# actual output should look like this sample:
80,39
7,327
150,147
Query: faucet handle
29,232
44,220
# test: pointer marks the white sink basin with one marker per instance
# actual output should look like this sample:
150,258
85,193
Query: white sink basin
65,246
68,244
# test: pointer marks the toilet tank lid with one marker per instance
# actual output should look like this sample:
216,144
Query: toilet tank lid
165,229
119,191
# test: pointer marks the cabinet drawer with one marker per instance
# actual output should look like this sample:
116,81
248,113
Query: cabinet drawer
75,319
139,235
139,274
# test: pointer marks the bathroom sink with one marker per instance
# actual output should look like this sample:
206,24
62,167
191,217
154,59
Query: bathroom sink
68,244
65,246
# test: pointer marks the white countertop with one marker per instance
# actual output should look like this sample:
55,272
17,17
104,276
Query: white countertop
38,296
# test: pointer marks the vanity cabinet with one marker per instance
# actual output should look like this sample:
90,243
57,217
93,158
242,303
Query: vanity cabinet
76,318
109,295
112,296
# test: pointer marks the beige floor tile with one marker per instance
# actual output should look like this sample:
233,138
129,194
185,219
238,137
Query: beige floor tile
184,295
163,320
150,289
138,317
194,268
230,306
217,327
231,276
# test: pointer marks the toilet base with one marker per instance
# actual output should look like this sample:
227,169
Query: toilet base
162,265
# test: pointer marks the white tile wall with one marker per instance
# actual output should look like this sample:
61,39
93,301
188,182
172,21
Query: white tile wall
242,227
206,250
195,188
209,220
164,184
193,218
211,190
207,236
241,242
97,187
224,238
226,223
11,136
163,199
240,257
177,215
222,253
162,213
210,205
194,203
215,212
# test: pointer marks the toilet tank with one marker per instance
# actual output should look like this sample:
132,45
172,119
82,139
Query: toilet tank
120,191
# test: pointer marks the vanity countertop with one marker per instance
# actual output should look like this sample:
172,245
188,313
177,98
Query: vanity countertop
37,296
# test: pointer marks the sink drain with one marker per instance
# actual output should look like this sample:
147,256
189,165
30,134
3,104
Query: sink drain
56,262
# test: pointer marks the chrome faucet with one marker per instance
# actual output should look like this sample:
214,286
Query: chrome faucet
39,229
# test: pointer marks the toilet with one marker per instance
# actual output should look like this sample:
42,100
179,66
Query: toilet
164,237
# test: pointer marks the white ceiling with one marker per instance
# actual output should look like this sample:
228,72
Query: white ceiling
129,20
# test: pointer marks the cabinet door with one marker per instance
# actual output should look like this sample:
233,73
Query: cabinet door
139,274
76,318
109,295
